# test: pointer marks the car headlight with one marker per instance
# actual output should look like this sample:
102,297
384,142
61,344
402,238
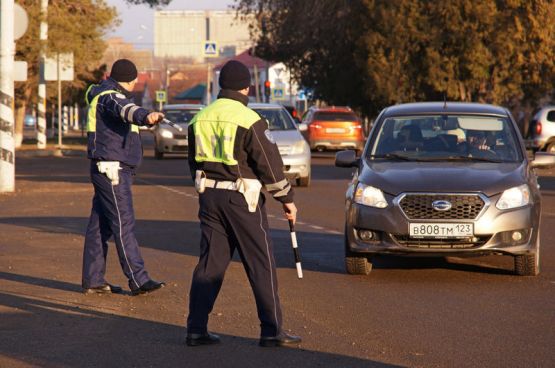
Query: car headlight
370,196
514,198
166,134
299,147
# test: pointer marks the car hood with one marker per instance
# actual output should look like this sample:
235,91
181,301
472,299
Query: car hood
398,177
286,137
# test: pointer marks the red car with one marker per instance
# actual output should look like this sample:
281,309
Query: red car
333,128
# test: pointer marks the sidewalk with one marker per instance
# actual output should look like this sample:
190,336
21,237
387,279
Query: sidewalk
73,144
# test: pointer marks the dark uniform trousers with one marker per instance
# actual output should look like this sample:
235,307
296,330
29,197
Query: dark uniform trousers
112,214
226,225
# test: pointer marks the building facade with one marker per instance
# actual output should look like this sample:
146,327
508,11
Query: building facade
183,33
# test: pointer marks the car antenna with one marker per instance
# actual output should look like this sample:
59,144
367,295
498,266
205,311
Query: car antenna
445,94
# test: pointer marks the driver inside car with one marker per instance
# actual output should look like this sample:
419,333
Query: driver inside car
477,142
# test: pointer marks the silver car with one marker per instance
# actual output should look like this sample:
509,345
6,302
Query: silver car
293,148
168,139
542,130
443,179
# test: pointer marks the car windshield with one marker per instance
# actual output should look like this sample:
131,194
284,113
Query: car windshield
180,116
278,119
446,137
334,116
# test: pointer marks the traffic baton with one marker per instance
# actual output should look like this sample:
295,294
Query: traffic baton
172,124
295,249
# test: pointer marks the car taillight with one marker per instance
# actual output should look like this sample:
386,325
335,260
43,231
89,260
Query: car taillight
538,128
315,126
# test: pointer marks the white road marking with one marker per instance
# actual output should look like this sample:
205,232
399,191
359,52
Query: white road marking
279,218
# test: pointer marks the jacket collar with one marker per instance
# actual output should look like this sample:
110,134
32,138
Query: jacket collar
113,84
234,95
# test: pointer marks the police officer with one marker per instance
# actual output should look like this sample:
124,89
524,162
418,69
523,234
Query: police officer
231,154
115,151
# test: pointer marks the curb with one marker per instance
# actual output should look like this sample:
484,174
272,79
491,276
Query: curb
51,153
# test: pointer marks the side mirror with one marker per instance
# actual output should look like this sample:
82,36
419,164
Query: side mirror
543,160
346,159
303,127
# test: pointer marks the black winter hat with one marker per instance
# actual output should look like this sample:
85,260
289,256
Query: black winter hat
123,70
235,76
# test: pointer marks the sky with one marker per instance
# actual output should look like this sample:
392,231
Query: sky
137,20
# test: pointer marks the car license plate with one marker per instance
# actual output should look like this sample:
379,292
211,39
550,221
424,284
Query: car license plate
335,130
440,230
182,142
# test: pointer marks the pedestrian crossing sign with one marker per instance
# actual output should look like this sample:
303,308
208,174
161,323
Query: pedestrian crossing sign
277,93
160,96
210,49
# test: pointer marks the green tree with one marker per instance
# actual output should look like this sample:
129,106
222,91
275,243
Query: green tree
319,40
76,27
373,53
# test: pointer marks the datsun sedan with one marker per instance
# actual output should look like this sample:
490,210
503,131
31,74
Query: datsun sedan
443,179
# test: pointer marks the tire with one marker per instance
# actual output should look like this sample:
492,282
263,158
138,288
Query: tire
158,155
550,148
528,264
303,181
357,265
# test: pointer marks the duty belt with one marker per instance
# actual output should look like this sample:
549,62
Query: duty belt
217,184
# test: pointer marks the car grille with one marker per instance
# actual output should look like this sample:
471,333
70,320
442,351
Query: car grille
284,150
179,148
180,136
465,243
464,206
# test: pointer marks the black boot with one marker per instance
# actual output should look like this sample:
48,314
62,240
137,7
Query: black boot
202,339
280,340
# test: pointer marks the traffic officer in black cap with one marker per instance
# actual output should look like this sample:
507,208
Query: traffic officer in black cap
115,151
231,155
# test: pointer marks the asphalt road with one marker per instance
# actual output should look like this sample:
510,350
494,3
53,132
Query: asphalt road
415,312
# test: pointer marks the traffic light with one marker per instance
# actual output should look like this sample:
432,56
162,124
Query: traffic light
267,89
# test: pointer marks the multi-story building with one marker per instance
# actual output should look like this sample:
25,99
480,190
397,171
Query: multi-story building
183,33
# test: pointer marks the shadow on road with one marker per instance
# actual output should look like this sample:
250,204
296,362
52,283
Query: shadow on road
49,334
451,263
320,252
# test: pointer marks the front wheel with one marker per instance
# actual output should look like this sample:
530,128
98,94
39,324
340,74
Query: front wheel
158,155
303,181
528,264
358,265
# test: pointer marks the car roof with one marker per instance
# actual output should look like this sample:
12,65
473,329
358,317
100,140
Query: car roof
183,106
260,105
333,108
420,108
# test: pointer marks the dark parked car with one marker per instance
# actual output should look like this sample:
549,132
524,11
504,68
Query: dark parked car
443,180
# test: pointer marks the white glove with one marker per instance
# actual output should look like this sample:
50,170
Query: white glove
111,169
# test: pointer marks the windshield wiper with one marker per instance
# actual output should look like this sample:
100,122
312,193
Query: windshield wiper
472,158
393,156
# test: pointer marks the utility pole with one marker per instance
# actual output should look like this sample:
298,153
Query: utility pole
7,52
41,105
59,120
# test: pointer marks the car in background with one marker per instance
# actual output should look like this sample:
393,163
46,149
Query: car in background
293,112
293,148
334,127
443,179
168,139
541,132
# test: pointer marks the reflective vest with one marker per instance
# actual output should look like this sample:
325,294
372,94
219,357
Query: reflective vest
215,128
91,116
